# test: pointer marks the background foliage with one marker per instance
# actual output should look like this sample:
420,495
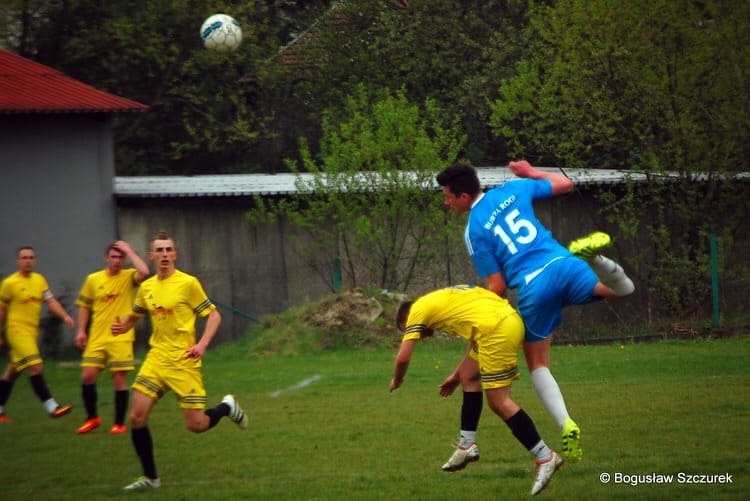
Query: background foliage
657,88
360,208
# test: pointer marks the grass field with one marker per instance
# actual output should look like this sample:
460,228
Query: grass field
325,427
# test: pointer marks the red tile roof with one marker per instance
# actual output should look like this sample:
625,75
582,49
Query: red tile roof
29,87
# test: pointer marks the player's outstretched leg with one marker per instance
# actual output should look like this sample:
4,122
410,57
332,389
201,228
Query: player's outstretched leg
609,273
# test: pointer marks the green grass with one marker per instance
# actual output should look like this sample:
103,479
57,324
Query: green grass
664,408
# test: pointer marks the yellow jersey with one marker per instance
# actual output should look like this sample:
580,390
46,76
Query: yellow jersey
108,298
467,311
22,298
173,305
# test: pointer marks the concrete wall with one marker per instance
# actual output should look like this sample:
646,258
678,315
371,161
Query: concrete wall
255,269
56,195
249,269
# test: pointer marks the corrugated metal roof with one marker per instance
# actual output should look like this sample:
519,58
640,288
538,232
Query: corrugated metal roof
238,185
30,87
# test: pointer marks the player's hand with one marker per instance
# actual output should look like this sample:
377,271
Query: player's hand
123,247
450,384
196,352
521,168
395,384
68,320
118,327
81,339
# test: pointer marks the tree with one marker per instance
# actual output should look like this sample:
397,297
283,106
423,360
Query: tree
658,87
204,116
449,51
244,112
368,202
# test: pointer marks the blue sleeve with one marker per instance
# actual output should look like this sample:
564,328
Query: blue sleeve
540,188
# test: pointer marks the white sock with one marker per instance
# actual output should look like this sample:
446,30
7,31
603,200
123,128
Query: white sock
541,451
549,393
612,275
467,438
50,405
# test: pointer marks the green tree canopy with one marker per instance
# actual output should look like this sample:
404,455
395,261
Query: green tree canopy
371,202
659,87
205,116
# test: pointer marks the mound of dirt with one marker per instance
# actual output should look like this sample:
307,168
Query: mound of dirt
346,310
349,319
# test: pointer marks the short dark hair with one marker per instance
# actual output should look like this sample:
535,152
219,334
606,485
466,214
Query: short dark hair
162,235
25,247
113,246
402,315
460,178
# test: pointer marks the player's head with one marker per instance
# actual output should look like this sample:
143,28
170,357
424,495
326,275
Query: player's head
460,186
115,258
162,251
25,258
402,316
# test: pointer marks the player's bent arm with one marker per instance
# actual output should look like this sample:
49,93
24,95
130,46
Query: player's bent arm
57,309
213,321
139,264
496,283
560,184
124,325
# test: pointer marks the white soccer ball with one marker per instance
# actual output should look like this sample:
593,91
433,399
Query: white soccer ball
221,33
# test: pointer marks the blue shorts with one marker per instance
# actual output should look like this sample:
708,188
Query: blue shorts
563,282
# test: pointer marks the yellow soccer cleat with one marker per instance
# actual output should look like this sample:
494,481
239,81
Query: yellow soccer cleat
571,441
590,246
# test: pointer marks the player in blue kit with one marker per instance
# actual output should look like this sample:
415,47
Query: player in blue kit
510,248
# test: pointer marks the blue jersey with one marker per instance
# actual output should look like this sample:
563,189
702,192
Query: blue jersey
504,235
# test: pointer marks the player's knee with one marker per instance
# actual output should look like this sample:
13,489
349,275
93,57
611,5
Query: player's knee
36,369
197,421
198,426
138,419
505,409
471,379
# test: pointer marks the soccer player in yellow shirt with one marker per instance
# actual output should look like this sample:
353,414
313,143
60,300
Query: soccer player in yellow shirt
174,300
105,296
495,332
21,298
